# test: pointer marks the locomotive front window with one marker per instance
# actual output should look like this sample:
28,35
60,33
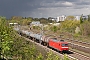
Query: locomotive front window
64,44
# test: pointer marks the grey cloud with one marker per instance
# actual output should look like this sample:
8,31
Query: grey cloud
39,8
15,7
54,4
82,3
68,0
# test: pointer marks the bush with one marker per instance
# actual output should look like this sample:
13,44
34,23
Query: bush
85,28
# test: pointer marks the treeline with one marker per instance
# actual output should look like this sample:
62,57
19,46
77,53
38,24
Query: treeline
80,27
28,20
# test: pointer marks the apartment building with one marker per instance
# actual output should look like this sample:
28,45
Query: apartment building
61,18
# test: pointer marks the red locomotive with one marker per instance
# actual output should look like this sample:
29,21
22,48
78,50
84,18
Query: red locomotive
59,45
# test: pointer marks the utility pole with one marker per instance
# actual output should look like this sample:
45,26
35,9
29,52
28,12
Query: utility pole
41,30
72,39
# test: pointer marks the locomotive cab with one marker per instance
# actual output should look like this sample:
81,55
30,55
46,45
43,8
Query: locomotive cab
64,46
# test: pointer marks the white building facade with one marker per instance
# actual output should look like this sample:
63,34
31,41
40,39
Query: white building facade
84,17
61,18
77,17
35,23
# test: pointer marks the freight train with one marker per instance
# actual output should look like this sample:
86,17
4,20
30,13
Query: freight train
46,40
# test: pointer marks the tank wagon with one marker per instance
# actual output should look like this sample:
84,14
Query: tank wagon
46,40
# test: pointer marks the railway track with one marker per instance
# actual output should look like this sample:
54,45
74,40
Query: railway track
79,42
48,49
82,46
79,45
79,56
71,54
85,44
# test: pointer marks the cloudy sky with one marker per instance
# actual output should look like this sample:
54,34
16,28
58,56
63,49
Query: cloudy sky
43,8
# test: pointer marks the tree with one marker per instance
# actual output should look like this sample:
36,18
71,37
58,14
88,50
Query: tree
70,18
89,17
81,19
49,18
69,25
54,28
85,28
6,40
16,18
